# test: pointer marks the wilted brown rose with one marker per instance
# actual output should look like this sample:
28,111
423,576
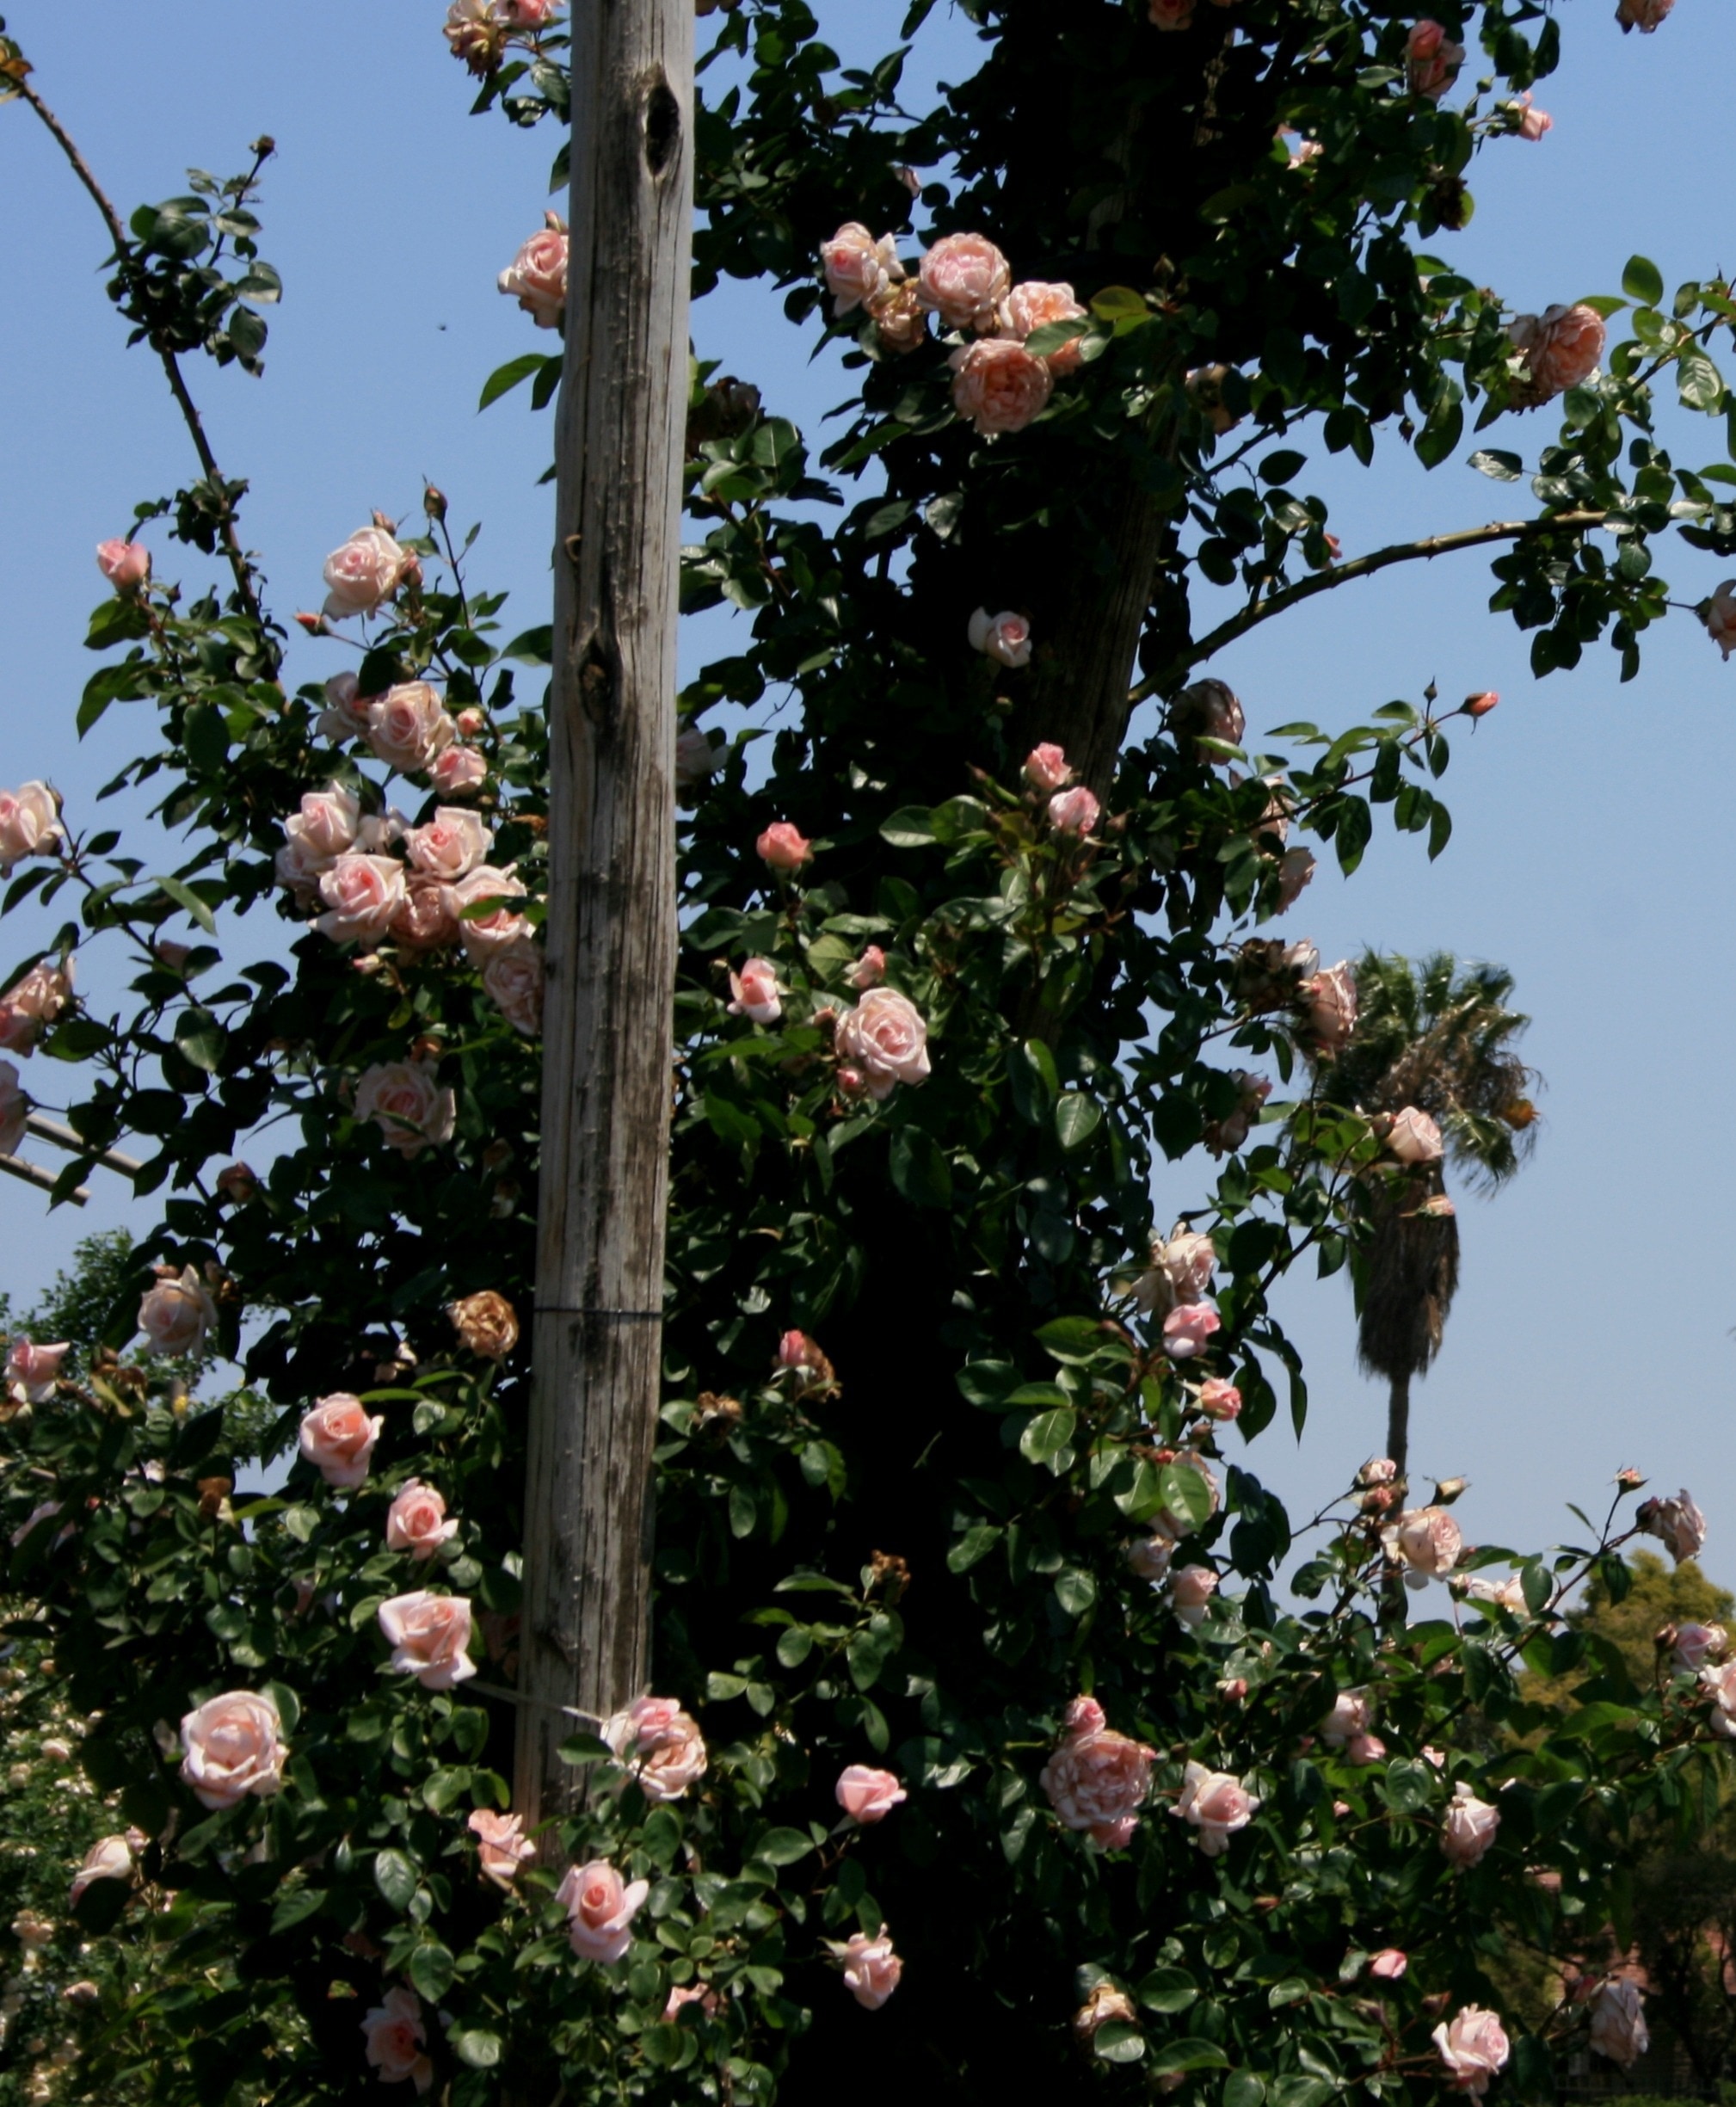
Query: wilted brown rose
485,1324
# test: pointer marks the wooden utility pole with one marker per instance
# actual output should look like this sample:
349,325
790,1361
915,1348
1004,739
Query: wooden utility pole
611,930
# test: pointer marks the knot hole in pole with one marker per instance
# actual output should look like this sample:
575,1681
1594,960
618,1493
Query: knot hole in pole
661,120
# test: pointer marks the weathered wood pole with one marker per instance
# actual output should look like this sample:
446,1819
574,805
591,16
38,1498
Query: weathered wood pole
611,930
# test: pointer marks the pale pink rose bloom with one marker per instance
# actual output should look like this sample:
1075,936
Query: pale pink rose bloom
885,1037
36,999
1330,1000
365,572
998,386
1720,1681
1427,1539
1349,1717
797,1350
1560,348
501,1845
31,1370
337,1438
123,563
964,278
345,714
484,935
298,871
408,727
1187,1327
662,1745
1191,1588
1719,615
701,1995
417,1522
449,845
1180,1271
697,754
456,771
362,894
600,1909
1295,870
233,1745
15,1117
1084,1715
1533,122
1173,14
1677,1523
783,846
754,992
1149,1558
536,276
428,1634
395,2036
868,970
1695,1644
1212,709
1362,1749
1431,63
29,823
1074,811
1217,1803
1219,1399
176,1314
1097,1781
513,980
322,831
1618,2022
1508,1594
1003,637
871,1969
425,922
1469,1828
111,1860
1378,1470
858,269
1413,1137
1032,306
899,316
408,1103
868,1796
1389,1965
473,31
1472,2047
1046,767
1642,15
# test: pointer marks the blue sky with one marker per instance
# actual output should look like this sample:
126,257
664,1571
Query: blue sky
1593,851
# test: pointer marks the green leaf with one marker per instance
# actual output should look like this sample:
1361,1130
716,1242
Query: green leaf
911,828
1031,1071
1054,336
184,896
431,1969
395,1878
1119,303
1048,1434
477,2048
1115,2042
1189,2053
1642,280
201,1040
1698,380
505,379
1077,1117
1167,1989
973,1546
919,1169
1282,466
782,1846
1496,462
1187,1494
1075,1590
1243,2089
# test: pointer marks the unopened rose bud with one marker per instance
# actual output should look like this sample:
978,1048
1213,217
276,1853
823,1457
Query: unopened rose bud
1234,1690
434,503
1628,1479
1448,1490
237,1184
470,722
313,624
1664,1637
1480,705
173,955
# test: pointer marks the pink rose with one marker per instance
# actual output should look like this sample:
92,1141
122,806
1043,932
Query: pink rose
1431,62
964,278
1426,1539
1469,1828
796,1349
1473,2048
1533,123
1678,1523
408,1103
513,980
999,387
1378,1470
661,1744
1003,637
868,1796
1097,1781
1215,1804
394,2033
1074,811
1219,1399
900,318
29,823
1348,1718
365,572
599,1909
868,970
456,771
1362,1749
322,831
1719,614
449,845
1642,14
784,846
1173,14
1720,1682
424,922
31,1370
232,1746
1191,1588
1084,1715
755,992
176,1314
697,754
362,896
1618,2022
1150,1557
1329,1002
15,1113
885,1038
536,276
337,1438
1389,1965
345,714
1046,769
36,999
123,563
1560,348
871,1969
858,269
1210,710
1032,306
1695,1644
111,1860
1187,1327
477,36
428,1634
416,1522
1180,1271
485,934
684,1995
1413,1137
1295,870
408,727
1508,1594
501,1845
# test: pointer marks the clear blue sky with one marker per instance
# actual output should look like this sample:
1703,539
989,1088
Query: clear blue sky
1593,850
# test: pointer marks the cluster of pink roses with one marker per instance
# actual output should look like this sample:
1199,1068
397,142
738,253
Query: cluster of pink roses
1072,808
660,1745
478,31
536,276
1349,1728
408,727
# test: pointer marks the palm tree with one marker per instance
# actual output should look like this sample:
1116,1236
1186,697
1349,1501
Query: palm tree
1439,1036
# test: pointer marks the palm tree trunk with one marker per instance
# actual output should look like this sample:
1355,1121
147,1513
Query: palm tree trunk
1399,1422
